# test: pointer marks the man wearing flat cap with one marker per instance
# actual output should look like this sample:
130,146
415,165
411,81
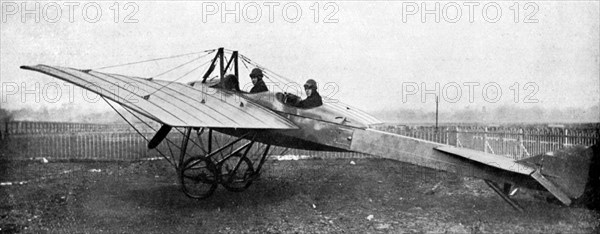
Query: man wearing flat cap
259,85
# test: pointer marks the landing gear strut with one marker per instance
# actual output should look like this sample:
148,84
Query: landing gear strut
201,173
228,166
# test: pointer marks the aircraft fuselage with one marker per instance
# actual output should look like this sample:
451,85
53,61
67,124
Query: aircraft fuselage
328,127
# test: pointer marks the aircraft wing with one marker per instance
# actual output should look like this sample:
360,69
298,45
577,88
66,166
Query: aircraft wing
172,103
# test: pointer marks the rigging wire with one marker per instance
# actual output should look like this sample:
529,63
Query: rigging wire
167,139
265,69
134,128
153,60
284,80
203,146
182,133
278,80
225,59
171,82
170,150
181,65
245,65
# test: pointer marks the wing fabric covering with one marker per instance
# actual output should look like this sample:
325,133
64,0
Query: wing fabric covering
174,104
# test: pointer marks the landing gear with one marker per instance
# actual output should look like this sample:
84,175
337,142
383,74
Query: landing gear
236,179
198,177
201,169
230,165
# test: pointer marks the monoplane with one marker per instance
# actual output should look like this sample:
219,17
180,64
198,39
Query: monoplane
202,108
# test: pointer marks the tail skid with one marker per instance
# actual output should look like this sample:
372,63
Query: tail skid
504,195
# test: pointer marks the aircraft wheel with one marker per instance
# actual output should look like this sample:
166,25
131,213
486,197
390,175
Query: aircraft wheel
198,176
239,180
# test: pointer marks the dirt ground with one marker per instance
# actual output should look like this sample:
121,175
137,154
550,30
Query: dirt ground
312,195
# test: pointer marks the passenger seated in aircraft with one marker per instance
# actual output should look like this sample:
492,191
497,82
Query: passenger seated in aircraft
230,82
313,99
259,85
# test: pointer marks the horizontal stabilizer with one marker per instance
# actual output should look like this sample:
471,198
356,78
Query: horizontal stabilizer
439,156
493,160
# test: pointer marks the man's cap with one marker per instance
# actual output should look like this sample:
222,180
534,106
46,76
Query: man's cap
256,72
310,84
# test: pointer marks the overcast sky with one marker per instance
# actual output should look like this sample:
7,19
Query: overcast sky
380,54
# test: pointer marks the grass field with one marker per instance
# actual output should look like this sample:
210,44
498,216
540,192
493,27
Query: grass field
316,196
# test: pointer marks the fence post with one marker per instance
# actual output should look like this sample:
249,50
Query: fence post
521,144
566,142
456,136
597,139
447,134
485,139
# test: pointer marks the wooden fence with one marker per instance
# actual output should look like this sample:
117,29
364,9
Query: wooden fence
120,142
516,142
54,140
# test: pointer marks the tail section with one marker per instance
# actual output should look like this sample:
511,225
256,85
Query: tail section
424,153
571,174
567,173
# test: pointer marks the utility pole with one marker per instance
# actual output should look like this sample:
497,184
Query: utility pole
437,101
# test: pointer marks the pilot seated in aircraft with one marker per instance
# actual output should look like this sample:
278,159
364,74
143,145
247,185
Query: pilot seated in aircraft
259,85
313,99
230,82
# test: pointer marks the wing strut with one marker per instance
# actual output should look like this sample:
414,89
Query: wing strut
213,64
222,66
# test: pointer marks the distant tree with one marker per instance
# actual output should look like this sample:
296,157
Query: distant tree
5,115
466,115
